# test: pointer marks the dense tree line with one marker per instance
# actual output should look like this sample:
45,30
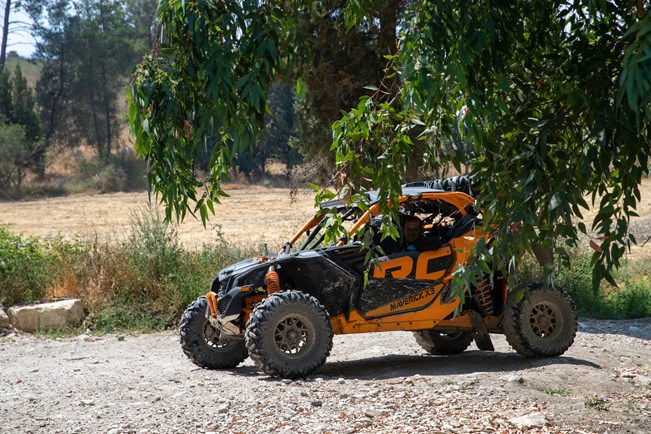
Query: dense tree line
88,48
21,144
86,51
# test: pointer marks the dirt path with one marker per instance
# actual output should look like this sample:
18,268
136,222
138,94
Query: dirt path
371,383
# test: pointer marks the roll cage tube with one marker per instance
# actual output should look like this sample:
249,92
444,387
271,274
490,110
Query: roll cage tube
361,222
315,220
458,200
316,231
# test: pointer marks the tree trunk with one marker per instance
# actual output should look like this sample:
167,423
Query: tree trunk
5,35
98,137
107,109
51,126
388,16
105,92
93,106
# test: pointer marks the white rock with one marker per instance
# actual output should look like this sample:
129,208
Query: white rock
4,320
516,379
46,315
529,420
363,422
372,413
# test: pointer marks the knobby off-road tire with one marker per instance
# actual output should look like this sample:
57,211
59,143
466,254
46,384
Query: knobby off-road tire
443,343
289,335
542,324
200,340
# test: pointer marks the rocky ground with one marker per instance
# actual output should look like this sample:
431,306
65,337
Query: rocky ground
371,383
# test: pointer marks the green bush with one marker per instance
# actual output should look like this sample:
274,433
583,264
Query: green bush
121,171
631,298
26,269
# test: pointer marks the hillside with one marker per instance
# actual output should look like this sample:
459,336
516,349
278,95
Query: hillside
31,68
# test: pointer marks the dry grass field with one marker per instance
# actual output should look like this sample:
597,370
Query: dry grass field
251,216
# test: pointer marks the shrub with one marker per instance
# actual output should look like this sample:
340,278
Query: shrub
631,298
146,281
26,269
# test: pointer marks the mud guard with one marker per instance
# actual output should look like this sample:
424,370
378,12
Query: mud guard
482,338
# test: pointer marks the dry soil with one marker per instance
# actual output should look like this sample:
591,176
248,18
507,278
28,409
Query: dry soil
372,383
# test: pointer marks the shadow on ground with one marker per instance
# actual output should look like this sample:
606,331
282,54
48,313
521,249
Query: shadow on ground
399,366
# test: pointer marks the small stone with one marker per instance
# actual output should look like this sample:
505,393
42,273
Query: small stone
529,420
516,379
341,381
316,403
222,409
287,381
87,402
121,338
113,431
364,422
372,413
624,359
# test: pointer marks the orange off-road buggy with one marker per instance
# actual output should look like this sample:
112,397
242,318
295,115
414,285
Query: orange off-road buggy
282,311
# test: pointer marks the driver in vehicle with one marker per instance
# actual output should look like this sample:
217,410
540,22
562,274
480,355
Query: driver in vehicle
414,238
412,231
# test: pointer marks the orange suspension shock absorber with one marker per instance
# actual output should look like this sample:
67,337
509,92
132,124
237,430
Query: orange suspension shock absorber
212,303
483,293
273,281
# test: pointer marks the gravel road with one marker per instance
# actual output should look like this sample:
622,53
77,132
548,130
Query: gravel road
372,383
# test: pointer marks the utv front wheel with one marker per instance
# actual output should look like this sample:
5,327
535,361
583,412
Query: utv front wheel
289,335
200,340
439,343
542,324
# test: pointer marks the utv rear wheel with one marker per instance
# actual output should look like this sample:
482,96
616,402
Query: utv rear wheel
542,324
289,335
200,340
440,343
